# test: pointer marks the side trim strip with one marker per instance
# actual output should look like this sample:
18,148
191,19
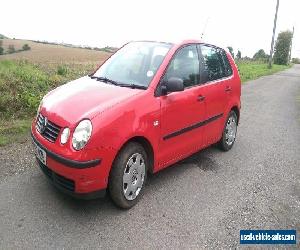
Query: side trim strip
194,126
65,161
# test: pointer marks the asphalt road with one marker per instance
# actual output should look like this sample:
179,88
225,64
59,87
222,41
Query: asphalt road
200,202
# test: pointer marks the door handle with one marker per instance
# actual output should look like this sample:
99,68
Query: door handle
200,98
227,89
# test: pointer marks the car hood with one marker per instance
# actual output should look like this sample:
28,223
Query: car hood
82,98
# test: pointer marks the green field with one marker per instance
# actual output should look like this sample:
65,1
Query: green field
23,84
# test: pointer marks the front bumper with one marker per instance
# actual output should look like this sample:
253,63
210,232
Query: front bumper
80,178
65,161
67,186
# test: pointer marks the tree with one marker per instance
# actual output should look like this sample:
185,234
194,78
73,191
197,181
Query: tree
239,55
260,55
231,51
1,48
282,47
3,37
296,60
247,58
11,49
26,47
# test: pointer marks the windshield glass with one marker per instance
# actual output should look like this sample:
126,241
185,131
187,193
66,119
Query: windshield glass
135,63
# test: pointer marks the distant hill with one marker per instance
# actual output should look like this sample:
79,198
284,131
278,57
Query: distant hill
3,36
51,53
105,49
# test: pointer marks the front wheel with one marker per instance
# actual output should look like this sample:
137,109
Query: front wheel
128,175
229,132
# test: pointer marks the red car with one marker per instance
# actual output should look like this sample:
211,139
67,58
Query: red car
148,106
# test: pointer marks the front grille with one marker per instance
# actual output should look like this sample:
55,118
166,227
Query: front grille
47,129
57,179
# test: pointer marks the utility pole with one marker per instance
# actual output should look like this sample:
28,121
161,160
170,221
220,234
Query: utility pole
290,54
274,29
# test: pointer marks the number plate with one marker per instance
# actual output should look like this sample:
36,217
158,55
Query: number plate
40,154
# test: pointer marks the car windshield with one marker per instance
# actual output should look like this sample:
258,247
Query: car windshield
134,64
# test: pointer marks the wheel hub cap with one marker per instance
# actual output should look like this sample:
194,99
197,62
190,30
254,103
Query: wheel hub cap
133,177
230,132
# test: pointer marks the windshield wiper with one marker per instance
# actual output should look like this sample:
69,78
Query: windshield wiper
104,79
107,80
132,85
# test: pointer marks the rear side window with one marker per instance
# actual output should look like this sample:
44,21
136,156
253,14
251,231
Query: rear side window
185,65
227,66
213,62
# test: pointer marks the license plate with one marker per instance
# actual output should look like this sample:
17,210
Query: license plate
40,154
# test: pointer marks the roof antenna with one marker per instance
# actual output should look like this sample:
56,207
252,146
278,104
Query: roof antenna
204,28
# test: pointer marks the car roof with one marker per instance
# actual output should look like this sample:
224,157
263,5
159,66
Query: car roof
180,43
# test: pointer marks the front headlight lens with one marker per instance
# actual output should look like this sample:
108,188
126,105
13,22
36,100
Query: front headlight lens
65,135
82,134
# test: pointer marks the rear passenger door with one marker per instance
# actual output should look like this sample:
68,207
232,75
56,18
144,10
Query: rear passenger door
216,88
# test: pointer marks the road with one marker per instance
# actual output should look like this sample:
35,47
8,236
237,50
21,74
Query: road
200,202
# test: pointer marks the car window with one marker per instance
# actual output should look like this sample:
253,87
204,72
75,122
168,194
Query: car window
135,63
185,65
213,62
227,66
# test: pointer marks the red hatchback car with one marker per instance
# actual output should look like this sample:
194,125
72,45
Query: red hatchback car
148,106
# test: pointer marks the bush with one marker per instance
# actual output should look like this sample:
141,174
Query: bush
22,86
1,51
26,47
11,49
260,55
62,70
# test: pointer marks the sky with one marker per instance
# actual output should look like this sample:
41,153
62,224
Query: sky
245,25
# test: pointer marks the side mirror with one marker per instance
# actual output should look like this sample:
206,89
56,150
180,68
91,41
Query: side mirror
173,84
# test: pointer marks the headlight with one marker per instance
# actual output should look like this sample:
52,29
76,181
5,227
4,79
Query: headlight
65,135
82,134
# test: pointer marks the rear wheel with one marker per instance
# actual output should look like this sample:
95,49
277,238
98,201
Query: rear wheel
128,175
229,132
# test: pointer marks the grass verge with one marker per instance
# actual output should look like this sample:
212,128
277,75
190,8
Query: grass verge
250,70
14,131
22,86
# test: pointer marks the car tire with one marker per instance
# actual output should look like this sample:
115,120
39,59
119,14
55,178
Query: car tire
128,175
229,132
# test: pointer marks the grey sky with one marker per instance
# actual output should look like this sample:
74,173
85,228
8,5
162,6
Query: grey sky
245,25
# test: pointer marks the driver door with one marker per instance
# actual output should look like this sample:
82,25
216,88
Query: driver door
181,112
